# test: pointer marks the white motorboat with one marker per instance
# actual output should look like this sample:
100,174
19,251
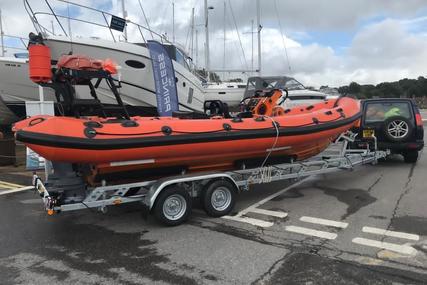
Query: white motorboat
228,92
298,94
136,70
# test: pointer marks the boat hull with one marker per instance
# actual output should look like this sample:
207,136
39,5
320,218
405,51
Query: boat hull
215,143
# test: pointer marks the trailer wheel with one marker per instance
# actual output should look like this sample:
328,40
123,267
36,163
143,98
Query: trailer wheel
173,206
219,198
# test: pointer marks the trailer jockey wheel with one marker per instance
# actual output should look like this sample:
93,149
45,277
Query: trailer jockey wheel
173,206
219,198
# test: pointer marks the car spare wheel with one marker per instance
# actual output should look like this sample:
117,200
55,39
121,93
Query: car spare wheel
397,128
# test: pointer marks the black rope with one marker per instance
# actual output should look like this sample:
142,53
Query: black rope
214,131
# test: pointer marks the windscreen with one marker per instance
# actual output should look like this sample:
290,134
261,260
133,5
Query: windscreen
377,112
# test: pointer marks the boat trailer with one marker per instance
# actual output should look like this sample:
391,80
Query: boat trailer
170,198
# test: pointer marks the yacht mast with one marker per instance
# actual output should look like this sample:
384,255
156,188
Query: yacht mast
125,14
192,34
197,48
1,35
207,39
173,21
259,35
252,35
225,18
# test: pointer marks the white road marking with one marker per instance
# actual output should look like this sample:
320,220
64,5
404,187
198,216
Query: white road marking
16,190
9,185
254,208
324,222
403,249
254,222
265,200
277,214
311,232
383,232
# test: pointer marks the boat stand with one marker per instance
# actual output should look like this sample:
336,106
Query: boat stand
170,197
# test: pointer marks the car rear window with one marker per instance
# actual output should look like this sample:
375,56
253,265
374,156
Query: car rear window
376,112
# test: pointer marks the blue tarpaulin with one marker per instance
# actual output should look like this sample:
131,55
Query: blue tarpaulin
164,78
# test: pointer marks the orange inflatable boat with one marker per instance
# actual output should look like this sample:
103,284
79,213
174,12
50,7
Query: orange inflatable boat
111,144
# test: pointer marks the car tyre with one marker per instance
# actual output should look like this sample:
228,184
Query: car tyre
397,129
410,156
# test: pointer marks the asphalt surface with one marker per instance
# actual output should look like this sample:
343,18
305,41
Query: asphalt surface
333,234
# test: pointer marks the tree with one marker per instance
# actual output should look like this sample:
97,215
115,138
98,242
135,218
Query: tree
354,88
344,90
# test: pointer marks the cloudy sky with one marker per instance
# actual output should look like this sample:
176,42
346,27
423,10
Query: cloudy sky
328,42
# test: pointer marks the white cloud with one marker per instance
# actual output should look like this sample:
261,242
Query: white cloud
380,51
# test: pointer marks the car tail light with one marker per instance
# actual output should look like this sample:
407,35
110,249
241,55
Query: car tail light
412,145
418,118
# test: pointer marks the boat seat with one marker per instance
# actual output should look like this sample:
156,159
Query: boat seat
216,108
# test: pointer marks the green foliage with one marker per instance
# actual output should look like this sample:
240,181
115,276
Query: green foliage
412,88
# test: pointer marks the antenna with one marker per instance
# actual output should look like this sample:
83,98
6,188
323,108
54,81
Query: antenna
53,28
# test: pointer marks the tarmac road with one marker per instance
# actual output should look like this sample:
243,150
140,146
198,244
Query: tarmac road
367,226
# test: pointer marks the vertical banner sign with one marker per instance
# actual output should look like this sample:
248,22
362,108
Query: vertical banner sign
164,78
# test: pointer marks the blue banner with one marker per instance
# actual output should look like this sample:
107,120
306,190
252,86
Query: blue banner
164,78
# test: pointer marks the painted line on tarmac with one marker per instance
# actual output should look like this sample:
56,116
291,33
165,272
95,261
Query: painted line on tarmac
377,231
8,185
265,200
311,232
277,214
254,222
254,209
16,190
324,222
403,249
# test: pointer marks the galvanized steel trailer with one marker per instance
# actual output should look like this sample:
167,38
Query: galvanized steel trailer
170,198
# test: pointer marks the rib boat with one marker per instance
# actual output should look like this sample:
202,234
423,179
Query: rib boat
88,134
196,144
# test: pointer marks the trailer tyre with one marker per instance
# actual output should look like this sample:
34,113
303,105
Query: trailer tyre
173,206
410,156
219,198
